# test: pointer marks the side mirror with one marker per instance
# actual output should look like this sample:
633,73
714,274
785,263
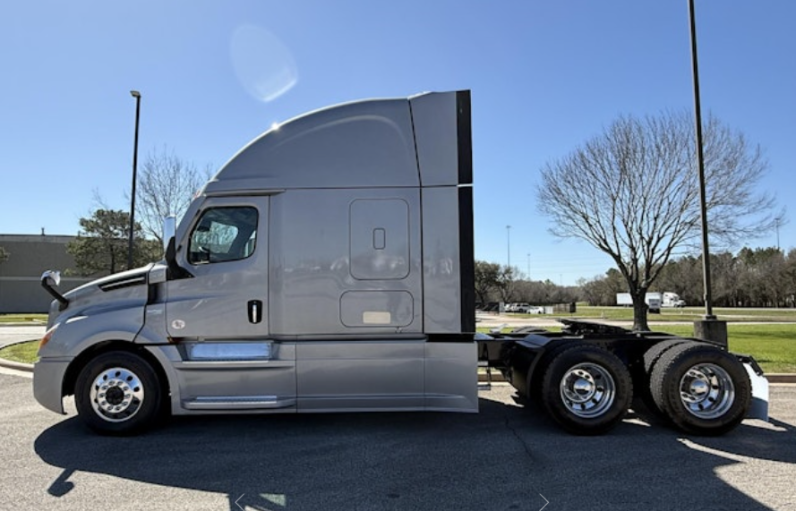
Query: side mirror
169,230
175,271
49,281
52,278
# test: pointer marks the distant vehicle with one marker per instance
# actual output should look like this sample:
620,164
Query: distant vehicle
653,301
672,300
521,308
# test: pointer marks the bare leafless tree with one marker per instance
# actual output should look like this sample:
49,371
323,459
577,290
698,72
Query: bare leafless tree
633,193
166,185
506,282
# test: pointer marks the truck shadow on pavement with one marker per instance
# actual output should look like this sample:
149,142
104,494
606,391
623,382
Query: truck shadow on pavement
506,457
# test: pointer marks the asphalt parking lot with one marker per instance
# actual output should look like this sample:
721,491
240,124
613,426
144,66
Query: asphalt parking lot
505,457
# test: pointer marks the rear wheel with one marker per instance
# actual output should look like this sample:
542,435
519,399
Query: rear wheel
703,390
118,393
586,390
651,357
534,383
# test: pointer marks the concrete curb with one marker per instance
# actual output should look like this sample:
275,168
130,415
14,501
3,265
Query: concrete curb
19,366
781,378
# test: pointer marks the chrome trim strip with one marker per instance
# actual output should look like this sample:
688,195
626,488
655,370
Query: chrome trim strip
225,365
237,402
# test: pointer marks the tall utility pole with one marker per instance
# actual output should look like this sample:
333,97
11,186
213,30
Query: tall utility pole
508,246
137,96
709,328
701,166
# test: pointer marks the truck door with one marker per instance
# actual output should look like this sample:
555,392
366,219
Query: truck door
219,314
226,252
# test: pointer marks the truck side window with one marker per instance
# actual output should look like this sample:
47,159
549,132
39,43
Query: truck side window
223,234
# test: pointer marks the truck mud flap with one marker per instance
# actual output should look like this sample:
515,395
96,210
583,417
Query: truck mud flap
758,408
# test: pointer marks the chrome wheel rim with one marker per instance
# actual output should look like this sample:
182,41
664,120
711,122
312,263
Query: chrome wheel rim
587,390
117,394
707,391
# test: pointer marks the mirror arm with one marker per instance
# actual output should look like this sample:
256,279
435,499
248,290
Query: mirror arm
176,272
46,279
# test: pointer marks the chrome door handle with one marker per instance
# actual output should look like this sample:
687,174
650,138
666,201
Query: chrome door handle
255,311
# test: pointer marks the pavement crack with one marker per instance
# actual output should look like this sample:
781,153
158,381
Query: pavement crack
525,446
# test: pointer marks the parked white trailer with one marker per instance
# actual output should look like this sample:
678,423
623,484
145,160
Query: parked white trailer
328,267
653,301
670,299
624,299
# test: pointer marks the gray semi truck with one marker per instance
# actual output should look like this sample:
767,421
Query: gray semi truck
328,267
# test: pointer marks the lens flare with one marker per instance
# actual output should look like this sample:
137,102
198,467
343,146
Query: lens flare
263,64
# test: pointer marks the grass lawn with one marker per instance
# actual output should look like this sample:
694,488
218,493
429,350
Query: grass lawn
24,352
773,346
23,318
688,314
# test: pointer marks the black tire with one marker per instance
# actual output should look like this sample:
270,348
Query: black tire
552,350
586,390
129,402
702,389
651,357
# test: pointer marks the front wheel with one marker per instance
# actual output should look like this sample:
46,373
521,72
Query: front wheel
118,393
703,390
587,390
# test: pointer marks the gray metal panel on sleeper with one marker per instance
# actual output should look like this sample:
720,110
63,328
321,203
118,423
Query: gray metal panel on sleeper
368,309
360,375
353,145
379,233
310,261
451,376
436,134
442,284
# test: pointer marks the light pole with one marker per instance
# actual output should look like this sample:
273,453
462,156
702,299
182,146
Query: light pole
709,328
701,167
508,246
137,96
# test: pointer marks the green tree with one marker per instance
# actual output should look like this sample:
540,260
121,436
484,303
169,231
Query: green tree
486,277
102,244
505,283
603,290
632,192
790,279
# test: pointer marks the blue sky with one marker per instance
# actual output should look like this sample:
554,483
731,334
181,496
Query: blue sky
545,76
